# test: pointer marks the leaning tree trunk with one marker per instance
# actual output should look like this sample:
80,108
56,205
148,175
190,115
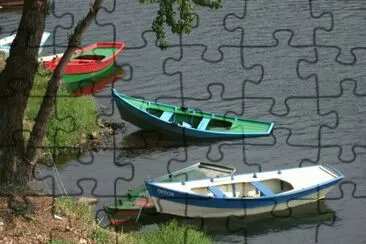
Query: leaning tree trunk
17,162
16,81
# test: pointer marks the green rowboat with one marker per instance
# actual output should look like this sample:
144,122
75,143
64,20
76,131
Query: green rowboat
189,122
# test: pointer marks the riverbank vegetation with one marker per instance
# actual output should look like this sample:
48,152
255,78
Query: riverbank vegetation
73,124
63,220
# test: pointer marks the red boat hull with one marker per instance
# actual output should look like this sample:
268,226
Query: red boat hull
89,63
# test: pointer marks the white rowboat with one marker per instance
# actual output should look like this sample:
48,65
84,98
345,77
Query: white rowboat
245,194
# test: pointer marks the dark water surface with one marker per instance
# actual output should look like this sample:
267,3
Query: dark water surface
299,64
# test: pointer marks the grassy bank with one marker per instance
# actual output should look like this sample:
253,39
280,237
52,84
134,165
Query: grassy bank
73,122
62,220
73,118
171,232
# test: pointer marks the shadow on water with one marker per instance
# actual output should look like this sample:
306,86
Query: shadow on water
158,139
312,214
143,142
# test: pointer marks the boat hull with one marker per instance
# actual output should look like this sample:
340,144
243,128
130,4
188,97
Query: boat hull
187,210
77,78
146,121
90,63
246,194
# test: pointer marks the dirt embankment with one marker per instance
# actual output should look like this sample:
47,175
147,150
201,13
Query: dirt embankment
41,223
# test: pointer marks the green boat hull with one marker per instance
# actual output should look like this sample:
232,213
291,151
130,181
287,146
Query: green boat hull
189,122
94,79
73,78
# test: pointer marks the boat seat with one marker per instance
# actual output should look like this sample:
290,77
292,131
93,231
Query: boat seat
166,116
203,124
262,188
216,191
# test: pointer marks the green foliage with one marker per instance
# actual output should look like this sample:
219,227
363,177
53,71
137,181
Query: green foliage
100,235
167,16
175,233
65,206
72,117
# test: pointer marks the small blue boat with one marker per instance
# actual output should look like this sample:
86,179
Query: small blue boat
186,121
245,194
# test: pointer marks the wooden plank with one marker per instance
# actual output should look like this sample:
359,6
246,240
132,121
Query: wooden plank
216,191
262,188
166,116
203,124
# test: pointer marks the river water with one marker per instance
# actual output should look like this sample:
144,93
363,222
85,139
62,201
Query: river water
299,64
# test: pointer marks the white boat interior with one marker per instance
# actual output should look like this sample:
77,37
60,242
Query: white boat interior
255,185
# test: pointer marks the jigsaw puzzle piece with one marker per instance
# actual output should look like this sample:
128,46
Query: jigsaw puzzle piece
271,159
79,179
329,71
348,205
279,63
61,12
353,171
99,30
260,20
301,222
148,81
349,132
210,32
229,71
304,121
347,32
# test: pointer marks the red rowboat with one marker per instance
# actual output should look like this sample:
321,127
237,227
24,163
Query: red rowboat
90,59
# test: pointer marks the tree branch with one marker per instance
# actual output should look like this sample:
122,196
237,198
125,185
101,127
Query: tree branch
49,100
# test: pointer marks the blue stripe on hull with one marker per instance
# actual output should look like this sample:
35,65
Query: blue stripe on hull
202,201
145,121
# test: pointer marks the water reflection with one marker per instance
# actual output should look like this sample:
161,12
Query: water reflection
309,215
96,84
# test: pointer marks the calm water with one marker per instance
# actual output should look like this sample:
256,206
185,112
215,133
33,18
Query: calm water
240,65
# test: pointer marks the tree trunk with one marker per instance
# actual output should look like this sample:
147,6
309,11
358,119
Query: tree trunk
16,162
16,81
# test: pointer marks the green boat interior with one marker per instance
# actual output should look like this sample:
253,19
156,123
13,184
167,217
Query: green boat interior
240,190
191,120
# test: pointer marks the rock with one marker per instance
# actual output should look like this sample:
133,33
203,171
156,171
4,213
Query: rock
39,237
82,241
57,217
87,200
1,223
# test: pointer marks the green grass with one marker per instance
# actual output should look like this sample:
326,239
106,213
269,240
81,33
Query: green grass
101,235
83,213
173,232
72,117
65,206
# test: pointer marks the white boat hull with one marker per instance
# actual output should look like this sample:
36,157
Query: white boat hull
169,207
245,194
